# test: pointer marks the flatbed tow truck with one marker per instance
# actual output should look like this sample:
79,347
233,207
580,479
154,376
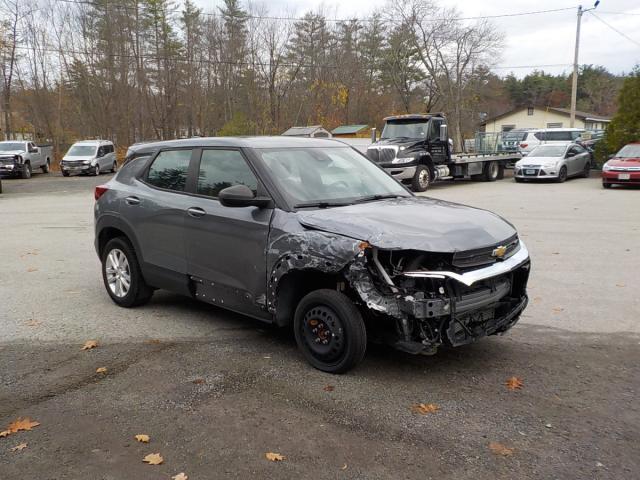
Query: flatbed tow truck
416,149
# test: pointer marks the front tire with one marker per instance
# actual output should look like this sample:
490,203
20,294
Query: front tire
26,171
518,180
562,175
606,185
330,331
122,276
421,179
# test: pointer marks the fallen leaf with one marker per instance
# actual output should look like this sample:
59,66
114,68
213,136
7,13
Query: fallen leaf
32,269
180,476
621,285
89,344
19,448
153,459
500,449
101,370
33,323
514,383
329,388
558,309
343,467
199,381
425,408
4,433
274,457
141,437
22,424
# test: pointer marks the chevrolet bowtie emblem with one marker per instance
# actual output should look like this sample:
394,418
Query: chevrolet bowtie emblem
499,252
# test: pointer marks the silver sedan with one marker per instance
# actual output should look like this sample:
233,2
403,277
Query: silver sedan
554,162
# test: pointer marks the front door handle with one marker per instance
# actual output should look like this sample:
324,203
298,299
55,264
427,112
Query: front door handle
132,200
196,212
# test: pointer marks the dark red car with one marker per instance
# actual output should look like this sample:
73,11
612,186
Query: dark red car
623,168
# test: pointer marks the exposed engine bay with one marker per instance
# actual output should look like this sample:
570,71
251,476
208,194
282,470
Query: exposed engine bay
442,298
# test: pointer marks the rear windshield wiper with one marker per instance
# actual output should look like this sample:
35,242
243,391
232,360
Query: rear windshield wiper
321,204
372,198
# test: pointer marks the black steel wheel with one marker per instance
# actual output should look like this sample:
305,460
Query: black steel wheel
329,331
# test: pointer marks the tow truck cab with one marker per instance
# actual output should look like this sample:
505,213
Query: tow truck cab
416,149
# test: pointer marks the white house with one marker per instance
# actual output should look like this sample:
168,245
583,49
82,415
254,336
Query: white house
543,117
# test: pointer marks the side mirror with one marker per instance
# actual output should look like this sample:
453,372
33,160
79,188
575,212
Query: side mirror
444,135
571,154
241,196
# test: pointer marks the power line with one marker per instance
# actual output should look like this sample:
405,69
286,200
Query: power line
332,20
204,61
620,13
616,30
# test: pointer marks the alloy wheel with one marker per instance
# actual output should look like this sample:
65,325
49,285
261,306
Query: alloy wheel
118,273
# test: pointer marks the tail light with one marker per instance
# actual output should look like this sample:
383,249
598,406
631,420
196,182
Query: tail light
99,191
524,145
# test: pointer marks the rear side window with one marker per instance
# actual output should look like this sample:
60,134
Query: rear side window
169,170
220,169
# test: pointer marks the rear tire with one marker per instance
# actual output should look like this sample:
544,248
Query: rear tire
330,331
96,170
138,292
46,167
491,171
421,179
587,170
114,167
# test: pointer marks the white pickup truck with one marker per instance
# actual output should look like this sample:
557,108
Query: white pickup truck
20,158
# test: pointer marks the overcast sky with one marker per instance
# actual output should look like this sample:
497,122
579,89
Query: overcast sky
541,39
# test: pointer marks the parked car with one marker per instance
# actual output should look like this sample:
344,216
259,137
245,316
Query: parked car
308,233
20,158
623,168
549,135
90,157
557,162
512,139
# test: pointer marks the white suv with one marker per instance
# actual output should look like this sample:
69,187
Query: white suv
548,135
89,156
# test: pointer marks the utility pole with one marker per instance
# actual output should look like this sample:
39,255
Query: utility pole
574,80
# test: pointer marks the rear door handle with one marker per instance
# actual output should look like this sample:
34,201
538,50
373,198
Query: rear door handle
132,200
196,212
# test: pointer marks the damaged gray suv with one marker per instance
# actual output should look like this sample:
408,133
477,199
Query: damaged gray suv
308,233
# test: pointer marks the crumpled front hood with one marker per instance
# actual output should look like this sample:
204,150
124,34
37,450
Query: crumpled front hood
414,223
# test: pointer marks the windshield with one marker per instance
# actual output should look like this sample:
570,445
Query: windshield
629,151
510,136
548,151
81,150
11,146
405,129
309,176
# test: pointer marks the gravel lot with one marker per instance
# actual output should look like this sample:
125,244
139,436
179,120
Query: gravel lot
216,391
